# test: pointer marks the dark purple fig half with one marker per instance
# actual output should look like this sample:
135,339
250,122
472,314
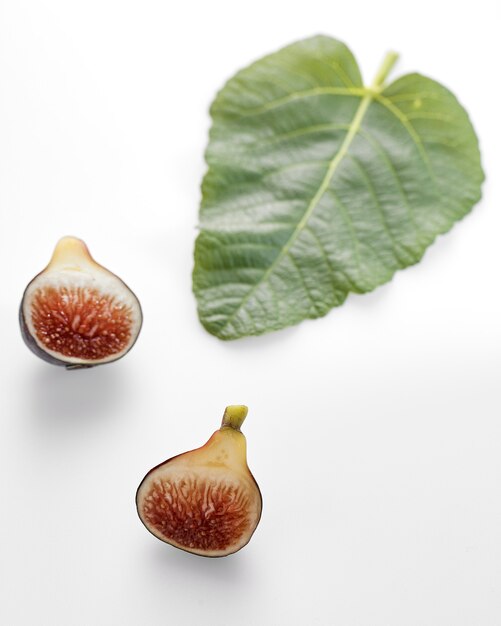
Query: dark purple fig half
205,501
76,313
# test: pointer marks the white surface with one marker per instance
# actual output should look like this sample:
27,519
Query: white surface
374,433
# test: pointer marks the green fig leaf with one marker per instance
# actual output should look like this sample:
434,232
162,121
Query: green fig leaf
318,186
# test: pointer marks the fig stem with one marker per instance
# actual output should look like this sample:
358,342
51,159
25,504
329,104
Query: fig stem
234,416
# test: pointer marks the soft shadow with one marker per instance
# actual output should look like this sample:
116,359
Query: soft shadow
370,299
60,398
441,248
260,342
229,570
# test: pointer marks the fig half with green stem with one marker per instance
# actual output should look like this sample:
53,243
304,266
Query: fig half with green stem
205,501
76,313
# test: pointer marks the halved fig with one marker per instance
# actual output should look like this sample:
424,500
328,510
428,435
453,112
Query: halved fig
76,313
205,501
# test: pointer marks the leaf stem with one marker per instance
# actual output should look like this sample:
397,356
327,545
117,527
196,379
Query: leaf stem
386,67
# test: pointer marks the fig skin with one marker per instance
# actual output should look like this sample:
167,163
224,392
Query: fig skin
205,501
73,271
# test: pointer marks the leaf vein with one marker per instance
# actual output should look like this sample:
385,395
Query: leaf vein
402,118
328,262
369,137
303,282
306,130
307,93
334,163
377,203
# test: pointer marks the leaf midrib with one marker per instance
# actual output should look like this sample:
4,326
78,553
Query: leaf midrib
354,127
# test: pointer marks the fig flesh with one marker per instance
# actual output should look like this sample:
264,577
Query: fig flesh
205,501
76,313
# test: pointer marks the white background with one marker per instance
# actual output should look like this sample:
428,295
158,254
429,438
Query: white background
374,433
